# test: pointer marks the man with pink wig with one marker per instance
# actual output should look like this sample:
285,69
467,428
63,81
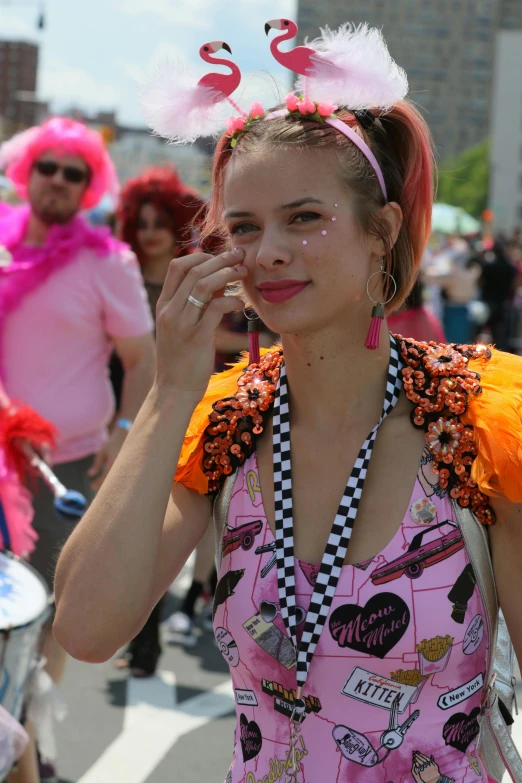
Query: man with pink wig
69,293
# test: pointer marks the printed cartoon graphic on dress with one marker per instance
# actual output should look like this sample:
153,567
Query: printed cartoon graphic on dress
280,768
424,551
427,478
423,511
473,636
377,690
252,483
269,610
271,639
374,629
460,594
228,647
225,588
461,729
245,698
284,700
356,747
243,536
474,764
426,770
270,549
310,571
413,678
250,737
434,654
457,695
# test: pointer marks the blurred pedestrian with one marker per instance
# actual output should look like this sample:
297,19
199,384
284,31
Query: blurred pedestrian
497,287
415,320
70,293
458,280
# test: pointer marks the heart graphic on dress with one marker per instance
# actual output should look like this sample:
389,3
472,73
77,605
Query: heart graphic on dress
461,729
374,629
251,739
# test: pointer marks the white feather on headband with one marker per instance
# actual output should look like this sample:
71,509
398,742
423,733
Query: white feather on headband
354,68
177,108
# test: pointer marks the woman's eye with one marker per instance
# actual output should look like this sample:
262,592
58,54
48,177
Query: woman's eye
305,217
242,228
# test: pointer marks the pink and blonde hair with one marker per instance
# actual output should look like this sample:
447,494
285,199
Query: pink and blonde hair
61,136
400,141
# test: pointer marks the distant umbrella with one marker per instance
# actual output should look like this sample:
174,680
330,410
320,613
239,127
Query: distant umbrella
447,219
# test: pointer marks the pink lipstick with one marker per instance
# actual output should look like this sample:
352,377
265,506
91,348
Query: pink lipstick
281,290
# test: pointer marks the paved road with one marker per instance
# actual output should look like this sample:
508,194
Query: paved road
176,726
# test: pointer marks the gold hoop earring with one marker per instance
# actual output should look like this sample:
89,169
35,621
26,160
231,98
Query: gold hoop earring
373,338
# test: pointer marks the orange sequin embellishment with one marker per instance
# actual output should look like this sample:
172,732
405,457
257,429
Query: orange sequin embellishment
236,421
437,381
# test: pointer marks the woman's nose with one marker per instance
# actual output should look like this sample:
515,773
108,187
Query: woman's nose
272,251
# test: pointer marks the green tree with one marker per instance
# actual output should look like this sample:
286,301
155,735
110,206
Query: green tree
464,180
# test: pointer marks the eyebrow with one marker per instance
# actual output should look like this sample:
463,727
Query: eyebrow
291,205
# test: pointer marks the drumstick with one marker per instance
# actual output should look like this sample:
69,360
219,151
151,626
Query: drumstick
68,504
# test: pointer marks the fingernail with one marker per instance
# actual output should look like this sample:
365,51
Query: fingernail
239,268
237,251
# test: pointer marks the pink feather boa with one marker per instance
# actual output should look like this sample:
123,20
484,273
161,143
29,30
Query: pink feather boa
32,266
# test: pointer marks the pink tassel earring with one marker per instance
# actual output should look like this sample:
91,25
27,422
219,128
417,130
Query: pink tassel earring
373,338
253,340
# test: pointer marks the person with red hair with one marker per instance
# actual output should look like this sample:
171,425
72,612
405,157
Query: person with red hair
68,293
156,216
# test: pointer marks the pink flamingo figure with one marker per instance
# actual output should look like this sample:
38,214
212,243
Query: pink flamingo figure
298,59
221,84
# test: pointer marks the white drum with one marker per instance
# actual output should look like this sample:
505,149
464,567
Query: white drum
24,607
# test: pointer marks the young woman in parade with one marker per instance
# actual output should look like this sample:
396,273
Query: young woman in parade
360,650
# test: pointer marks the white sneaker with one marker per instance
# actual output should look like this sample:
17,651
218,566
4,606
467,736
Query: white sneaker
181,629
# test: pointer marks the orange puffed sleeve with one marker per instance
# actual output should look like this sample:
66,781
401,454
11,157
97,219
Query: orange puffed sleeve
190,466
496,416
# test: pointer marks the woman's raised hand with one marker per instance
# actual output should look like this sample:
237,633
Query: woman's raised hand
185,332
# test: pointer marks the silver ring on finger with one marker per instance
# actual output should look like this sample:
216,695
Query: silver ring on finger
197,302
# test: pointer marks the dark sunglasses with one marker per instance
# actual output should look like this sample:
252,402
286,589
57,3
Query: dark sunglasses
72,174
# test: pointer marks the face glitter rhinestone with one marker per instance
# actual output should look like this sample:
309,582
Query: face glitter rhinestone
334,218
324,233
305,241
336,205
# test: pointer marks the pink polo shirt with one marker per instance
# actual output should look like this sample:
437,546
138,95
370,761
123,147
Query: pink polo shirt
57,342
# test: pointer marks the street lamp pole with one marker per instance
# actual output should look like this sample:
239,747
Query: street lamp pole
40,22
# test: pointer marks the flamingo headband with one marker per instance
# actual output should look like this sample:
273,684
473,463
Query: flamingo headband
62,136
350,67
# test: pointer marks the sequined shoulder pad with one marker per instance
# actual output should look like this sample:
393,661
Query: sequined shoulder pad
225,424
439,384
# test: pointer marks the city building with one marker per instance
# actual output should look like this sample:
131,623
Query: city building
136,149
464,62
505,193
19,105
447,48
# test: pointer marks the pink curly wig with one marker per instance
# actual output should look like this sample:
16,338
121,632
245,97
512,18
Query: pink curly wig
64,137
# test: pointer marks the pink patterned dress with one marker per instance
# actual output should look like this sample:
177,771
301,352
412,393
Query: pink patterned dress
395,685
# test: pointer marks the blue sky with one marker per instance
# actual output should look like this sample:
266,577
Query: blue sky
94,52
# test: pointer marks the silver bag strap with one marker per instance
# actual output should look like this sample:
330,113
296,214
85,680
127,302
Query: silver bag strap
496,747
220,514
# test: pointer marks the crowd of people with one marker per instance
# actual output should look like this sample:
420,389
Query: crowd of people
78,305
78,308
